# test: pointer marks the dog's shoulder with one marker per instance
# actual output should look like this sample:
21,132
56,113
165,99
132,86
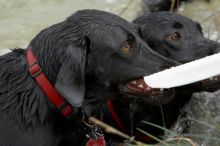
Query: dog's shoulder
11,56
12,62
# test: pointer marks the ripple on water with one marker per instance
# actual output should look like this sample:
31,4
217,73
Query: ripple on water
22,20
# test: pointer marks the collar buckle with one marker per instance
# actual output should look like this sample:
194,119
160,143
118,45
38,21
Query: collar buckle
35,69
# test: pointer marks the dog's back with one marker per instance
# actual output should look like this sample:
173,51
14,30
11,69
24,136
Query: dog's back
16,110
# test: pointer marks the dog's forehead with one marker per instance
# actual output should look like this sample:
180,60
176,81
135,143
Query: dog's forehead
112,37
173,18
167,21
102,19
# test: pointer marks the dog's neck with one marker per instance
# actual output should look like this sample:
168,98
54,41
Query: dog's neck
24,96
124,115
131,109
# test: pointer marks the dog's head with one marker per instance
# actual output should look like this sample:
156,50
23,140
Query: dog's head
96,49
175,36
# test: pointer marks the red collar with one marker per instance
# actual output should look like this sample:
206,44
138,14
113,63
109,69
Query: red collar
36,72
118,121
115,116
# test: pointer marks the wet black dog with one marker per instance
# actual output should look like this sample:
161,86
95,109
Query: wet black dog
175,36
181,39
178,38
88,57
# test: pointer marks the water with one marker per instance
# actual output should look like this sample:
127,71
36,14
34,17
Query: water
201,116
207,14
21,20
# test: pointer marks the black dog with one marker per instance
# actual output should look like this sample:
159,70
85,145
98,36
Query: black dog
175,36
178,38
88,58
182,40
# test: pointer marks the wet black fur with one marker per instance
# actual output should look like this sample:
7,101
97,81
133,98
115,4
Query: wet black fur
83,60
193,45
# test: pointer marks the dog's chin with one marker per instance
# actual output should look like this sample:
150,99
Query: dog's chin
138,89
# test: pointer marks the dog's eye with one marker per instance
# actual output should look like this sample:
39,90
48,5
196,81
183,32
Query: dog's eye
174,37
126,48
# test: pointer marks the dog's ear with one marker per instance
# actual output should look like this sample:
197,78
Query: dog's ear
70,81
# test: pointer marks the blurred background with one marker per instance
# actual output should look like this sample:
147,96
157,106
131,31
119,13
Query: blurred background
21,20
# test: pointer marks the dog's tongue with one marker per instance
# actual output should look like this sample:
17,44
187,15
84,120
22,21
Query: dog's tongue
138,86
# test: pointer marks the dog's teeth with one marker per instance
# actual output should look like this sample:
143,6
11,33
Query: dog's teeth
141,85
148,88
134,82
161,89
211,78
215,79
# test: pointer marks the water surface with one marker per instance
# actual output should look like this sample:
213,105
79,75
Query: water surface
21,20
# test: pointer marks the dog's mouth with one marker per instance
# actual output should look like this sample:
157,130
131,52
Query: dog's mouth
211,84
139,89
